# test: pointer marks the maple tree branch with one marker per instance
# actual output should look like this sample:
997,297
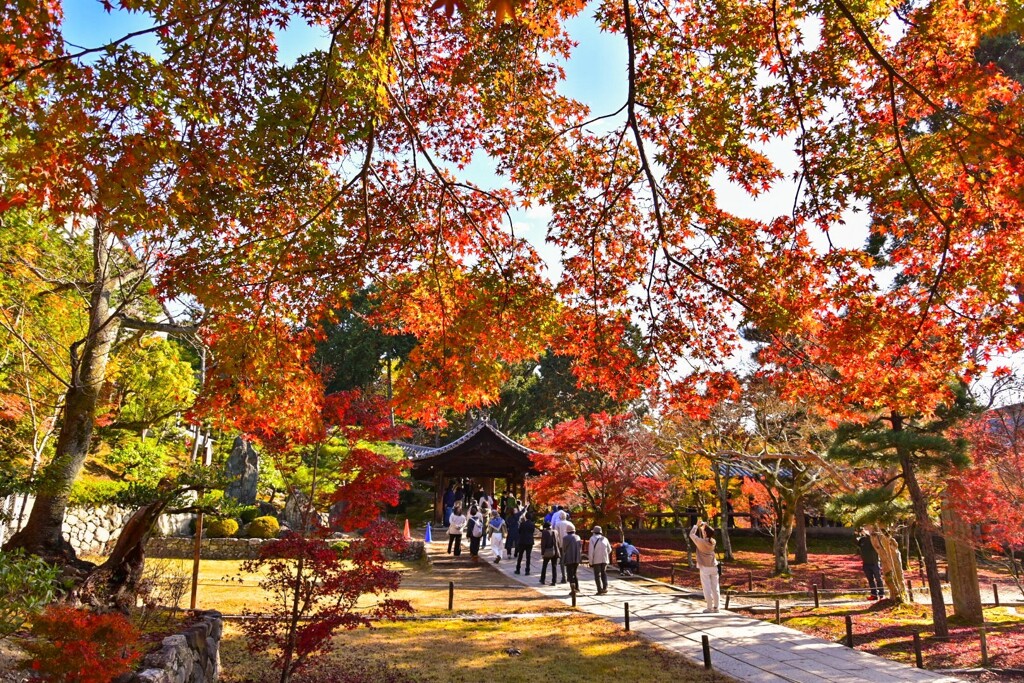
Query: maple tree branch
798,107
7,324
895,74
933,290
147,326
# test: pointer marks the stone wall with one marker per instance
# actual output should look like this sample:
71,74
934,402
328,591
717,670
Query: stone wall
211,549
239,548
94,530
189,657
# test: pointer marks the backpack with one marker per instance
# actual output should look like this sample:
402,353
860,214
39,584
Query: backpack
477,530
620,554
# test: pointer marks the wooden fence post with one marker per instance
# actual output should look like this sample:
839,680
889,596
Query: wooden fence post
705,645
817,603
849,631
984,647
918,659
451,595
627,616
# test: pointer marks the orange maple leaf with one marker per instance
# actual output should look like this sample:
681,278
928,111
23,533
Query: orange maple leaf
504,10
449,6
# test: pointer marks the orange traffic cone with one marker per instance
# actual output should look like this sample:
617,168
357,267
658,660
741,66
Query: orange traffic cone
405,534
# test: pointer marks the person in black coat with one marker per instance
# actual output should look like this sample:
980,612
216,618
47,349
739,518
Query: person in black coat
512,521
524,544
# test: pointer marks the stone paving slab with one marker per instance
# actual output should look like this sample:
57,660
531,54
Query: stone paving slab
747,649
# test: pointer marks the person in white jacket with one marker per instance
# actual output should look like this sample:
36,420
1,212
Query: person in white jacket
600,554
560,524
703,538
496,530
456,524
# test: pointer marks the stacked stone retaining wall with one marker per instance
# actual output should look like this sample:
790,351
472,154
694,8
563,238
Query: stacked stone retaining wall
240,548
189,657
93,530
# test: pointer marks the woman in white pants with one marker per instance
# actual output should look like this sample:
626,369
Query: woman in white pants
496,530
703,538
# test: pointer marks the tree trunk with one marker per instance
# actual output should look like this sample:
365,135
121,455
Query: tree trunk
722,484
924,525
892,568
800,533
780,544
114,584
963,567
42,534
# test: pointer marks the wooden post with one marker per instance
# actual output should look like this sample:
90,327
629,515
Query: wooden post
849,631
823,581
918,659
750,581
817,603
672,580
995,593
705,645
627,616
451,595
910,588
572,596
196,548
778,612
727,596
984,647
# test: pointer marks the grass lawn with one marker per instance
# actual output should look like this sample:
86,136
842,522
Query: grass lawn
437,645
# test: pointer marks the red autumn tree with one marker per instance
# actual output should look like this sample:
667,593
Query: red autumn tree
608,465
278,188
989,495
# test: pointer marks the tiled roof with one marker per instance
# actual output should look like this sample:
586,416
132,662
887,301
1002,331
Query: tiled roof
416,453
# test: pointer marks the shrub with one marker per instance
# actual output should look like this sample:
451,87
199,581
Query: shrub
248,513
27,585
220,528
263,527
78,645
96,493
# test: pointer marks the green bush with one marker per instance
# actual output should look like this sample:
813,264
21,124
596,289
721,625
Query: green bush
27,585
220,528
263,527
248,513
96,493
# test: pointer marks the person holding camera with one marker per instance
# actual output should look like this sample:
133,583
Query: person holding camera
703,537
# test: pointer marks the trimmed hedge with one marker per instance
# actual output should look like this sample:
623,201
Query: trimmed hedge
221,528
263,527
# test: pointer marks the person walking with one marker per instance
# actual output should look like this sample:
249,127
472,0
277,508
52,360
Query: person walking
703,538
548,552
572,553
496,530
449,502
512,522
559,523
524,544
600,555
475,529
870,564
456,525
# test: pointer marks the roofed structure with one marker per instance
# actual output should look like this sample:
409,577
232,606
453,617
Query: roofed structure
483,453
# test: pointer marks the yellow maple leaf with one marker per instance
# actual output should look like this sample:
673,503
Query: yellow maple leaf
504,10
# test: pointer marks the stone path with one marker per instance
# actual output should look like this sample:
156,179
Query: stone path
749,650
